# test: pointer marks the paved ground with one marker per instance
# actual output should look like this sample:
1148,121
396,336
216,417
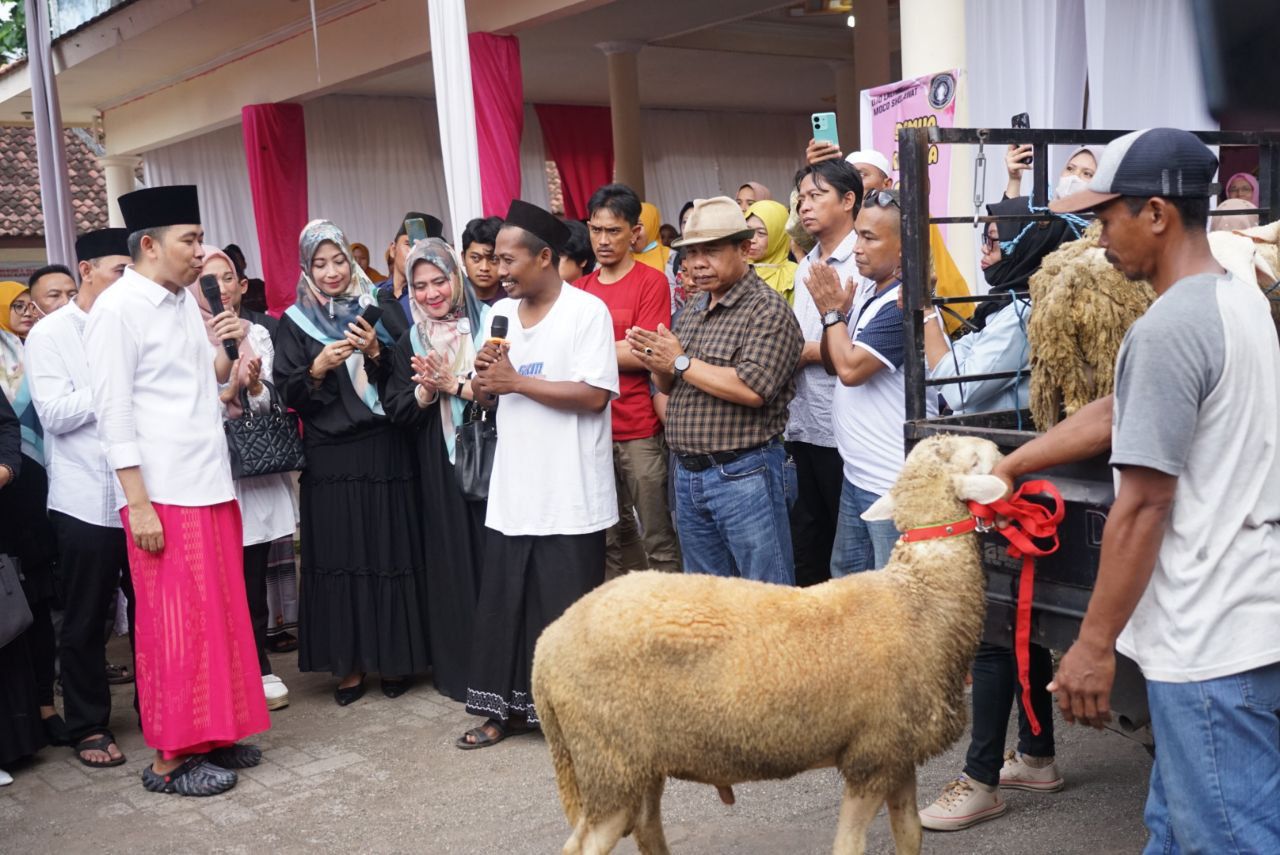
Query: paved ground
383,776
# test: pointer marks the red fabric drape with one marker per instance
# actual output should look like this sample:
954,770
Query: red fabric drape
275,146
580,141
498,89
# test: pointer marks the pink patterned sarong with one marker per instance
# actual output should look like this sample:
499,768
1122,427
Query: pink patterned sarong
199,686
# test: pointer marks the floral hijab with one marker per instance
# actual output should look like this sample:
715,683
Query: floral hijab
247,354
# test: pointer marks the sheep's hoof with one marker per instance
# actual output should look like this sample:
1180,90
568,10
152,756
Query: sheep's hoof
726,794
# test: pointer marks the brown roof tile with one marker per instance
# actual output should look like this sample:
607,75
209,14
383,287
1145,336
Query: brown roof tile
20,215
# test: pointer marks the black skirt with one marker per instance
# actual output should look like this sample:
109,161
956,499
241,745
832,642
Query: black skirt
528,583
21,731
363,575
454,543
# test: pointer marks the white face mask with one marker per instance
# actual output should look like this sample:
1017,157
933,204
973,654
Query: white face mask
1069,184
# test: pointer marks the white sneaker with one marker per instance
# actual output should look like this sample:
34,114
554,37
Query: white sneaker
1017,774
277,694
5,778
963,803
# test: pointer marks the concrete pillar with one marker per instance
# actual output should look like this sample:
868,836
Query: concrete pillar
119,172
624,108
846,105
872,48
933,40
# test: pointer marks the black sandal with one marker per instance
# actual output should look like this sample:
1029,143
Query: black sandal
236,756
98,743
484,740
118,675
195,777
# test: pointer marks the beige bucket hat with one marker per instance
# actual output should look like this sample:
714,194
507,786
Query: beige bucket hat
717,218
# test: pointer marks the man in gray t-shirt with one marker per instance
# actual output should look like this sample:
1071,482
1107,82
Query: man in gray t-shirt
1188,584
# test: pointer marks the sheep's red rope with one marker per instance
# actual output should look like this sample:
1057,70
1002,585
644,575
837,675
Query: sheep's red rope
1027,520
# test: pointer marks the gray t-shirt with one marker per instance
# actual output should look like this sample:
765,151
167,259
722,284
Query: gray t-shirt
1198,397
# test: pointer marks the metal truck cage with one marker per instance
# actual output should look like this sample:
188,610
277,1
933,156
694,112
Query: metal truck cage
1064,580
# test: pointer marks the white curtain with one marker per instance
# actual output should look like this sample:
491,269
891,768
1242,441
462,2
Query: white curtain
451,66
1144,69
1024,57
533,161
215,163
696,154
369,161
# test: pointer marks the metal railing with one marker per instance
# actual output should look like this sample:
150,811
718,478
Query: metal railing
913,154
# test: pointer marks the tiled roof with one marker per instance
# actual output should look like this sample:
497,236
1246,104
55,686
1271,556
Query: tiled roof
20,215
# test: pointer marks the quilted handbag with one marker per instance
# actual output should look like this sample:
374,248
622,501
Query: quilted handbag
264,444
475,442
15,614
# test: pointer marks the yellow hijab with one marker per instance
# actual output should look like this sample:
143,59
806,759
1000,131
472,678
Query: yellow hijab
11,363
654,253
775,268
9,291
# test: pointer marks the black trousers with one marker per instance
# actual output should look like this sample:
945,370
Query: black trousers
93,561
526,584
255,588
995,688
819,480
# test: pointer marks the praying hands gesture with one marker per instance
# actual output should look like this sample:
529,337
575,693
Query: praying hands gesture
824,286
254,386
430,374
495,375
657,350
361,336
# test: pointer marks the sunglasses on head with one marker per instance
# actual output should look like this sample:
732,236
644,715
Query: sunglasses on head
882,199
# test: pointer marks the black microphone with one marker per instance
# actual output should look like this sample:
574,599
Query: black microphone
213,294
498,330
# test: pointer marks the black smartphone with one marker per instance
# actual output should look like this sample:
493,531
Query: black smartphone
1022,121
371,314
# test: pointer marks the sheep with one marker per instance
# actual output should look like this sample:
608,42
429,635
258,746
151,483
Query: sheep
721,680
1081,307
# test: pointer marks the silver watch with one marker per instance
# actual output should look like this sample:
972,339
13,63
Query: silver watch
681,366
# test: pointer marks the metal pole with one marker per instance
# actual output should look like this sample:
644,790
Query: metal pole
1040,175
1269,181
913,154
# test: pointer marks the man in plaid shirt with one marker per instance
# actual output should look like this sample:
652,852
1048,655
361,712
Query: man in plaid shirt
728,366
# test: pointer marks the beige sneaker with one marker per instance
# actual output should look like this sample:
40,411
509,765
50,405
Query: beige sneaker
1017,774
276,691
963,803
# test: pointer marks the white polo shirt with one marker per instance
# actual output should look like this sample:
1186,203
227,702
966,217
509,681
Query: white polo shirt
155,393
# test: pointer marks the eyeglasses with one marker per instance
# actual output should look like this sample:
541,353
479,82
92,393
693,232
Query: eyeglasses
23,307
989,242
882,199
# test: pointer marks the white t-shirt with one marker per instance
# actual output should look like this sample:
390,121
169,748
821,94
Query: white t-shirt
553,470
1198,397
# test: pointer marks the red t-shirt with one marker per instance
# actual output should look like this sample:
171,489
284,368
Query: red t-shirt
642,298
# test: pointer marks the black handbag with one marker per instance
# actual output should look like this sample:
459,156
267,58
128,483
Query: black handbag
265,444
475,442
15,613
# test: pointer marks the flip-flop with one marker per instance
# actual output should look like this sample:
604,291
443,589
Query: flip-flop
119,675
97,743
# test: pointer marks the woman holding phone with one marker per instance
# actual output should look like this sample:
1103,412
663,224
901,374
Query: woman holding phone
362,560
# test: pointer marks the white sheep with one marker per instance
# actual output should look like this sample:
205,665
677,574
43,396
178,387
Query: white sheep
722,680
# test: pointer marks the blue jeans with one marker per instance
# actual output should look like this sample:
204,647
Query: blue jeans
860,545
1215,786
732,518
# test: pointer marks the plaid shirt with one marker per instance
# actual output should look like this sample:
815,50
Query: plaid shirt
754,331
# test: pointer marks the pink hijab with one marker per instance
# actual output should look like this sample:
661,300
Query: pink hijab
247,354
1252,182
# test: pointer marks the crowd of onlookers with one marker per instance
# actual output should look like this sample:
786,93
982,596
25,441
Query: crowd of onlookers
724,395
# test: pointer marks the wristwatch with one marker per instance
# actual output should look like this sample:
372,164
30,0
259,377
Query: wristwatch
681,365
831,317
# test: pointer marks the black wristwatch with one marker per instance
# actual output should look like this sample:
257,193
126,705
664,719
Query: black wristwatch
681,366
831,317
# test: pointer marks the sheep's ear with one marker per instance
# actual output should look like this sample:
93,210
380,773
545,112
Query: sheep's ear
881,509
980,488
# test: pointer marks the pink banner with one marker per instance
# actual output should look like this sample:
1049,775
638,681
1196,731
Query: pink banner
498,89
922,102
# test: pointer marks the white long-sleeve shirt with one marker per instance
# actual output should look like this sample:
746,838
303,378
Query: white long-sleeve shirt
155,393
81,483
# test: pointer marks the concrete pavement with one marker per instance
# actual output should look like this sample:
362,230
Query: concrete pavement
383,776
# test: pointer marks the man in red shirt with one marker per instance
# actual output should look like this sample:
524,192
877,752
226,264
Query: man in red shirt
637,296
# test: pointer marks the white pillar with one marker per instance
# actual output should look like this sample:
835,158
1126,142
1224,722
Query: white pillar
933,40
624,111
120,172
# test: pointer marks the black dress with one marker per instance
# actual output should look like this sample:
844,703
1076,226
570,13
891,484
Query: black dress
21,732
453,530
360,603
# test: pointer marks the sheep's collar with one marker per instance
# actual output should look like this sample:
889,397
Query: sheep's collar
934,532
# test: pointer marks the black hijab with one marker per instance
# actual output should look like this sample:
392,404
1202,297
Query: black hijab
1034,240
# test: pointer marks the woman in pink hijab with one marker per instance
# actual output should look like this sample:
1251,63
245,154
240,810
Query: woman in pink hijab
1244,186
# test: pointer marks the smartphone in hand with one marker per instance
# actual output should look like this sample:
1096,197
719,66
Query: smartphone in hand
416,229
824,128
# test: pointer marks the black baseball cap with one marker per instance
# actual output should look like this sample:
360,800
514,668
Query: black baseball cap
1166,162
